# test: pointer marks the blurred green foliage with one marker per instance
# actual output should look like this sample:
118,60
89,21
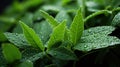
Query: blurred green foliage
102,14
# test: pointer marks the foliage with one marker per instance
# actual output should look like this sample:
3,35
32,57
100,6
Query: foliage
60,33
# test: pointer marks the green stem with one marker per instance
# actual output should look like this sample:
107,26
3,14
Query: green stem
116,9
97,13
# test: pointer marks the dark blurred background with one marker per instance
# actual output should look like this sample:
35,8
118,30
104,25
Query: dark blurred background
4,4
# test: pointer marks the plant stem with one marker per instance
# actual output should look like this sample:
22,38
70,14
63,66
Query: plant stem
116,9
97,13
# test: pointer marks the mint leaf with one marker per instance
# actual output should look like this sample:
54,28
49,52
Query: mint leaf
77,27
96,38
103,30
10,52
26,63
65,2
43,29
63,15
32,37
29,22
32,54
51,8
17,39
116,20
2,37
62,53
57,35
49,18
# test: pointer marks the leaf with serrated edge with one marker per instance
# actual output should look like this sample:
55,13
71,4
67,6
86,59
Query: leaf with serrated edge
10,52
31,36
77,27
57,34
97,39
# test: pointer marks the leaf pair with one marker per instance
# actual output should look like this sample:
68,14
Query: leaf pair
76,28
60,33
56,36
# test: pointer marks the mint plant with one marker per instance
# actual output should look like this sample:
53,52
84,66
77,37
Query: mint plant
61,35
59,46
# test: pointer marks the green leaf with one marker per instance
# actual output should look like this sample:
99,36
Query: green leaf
2,37
116,20
57,35
112,3
96,43
49,18
93,6
96,38
65,2
37,16
17,39
10,52
26,63
4,26
51,8
43,29
63,15
29,17
32,37
103,30
67,34
62,53
77,27
29,22
32,54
